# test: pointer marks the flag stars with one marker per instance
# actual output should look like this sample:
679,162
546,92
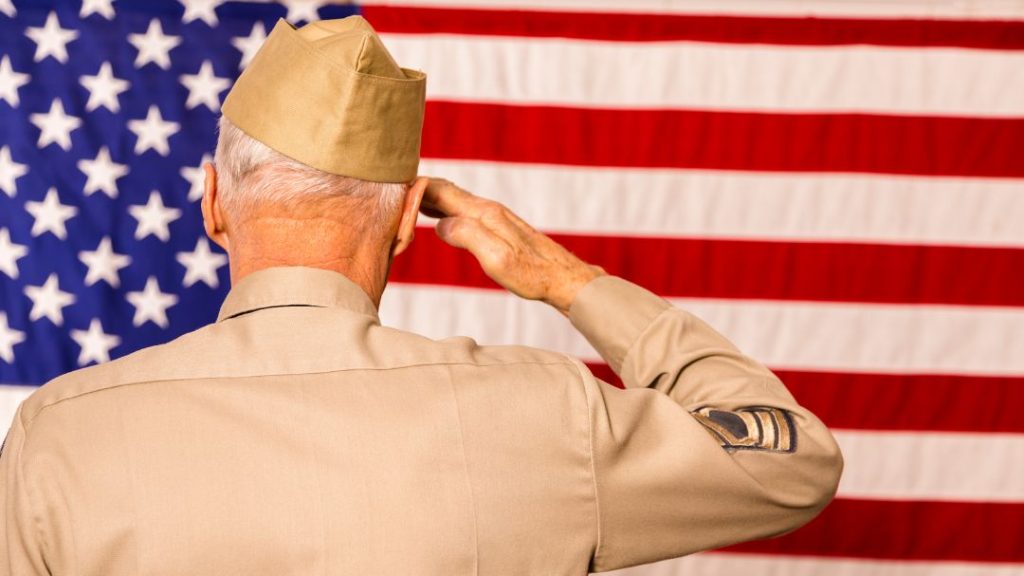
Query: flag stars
201,10
104,264
154,218
7,8
55,126
204,88
104,8
302,10
202,264
196,178
50,215
94,343
154,46
49,301
152,132
249,45
104,89
9,338
10,82
10,253
151,304
51,39
102,173
10,171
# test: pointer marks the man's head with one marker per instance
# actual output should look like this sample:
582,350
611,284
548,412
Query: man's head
317,154
253,178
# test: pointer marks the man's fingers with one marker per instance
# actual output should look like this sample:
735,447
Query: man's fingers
442,198
460,232
472,235
430,211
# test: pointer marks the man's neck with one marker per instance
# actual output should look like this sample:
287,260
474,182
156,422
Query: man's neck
317,243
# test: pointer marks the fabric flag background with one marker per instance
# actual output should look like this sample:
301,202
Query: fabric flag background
838,186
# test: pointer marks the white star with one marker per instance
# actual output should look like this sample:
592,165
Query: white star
55,126
7,7
104,88
204,88
50,215
51,39
104,264
101,7
196,178
151,304
250,45
201,10
154,46
102,173
9,172
10,82
302,10
153,132
9,337
10,253
95,343
154,218
202,264
49,300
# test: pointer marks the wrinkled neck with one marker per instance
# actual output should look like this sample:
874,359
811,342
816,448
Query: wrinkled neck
315,241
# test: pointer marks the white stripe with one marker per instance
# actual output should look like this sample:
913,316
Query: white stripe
725,564
957,9
591,74
786,335
750,205
10,397
932,466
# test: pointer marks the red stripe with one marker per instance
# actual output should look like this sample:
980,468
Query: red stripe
1001,35
702,268
918,402
725,140
976,532
911,402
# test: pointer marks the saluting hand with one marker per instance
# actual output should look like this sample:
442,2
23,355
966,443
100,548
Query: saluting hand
526,262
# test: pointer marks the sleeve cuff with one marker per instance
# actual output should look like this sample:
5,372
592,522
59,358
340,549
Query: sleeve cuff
612,313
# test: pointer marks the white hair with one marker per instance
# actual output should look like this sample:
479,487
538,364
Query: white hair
249,174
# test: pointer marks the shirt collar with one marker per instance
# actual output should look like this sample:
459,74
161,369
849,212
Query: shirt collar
295,286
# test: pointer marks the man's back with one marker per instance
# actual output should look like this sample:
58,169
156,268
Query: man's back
298,436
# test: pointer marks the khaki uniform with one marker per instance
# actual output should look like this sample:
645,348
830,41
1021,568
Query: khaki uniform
297,436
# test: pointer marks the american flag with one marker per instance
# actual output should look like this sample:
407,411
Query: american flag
838,186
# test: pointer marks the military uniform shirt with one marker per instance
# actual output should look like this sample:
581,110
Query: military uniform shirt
298,436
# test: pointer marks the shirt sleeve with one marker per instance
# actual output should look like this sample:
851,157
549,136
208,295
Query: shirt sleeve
21,550
704,448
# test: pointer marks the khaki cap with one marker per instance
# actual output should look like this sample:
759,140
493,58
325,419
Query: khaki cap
330,95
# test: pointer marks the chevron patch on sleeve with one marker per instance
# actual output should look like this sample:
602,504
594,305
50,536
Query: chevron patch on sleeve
752,428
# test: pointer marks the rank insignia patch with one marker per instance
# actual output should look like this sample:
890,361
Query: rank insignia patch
753,428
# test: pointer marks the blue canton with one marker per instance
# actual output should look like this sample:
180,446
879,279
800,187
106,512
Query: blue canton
107,111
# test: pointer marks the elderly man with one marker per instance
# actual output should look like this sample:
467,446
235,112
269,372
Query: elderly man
296,435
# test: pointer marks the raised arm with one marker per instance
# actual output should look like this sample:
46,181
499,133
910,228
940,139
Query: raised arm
705,447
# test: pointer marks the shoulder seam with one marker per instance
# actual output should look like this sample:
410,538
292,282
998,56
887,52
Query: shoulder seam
28,419
590,450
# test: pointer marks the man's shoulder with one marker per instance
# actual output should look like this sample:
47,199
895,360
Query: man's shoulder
210,352
159,362
465,350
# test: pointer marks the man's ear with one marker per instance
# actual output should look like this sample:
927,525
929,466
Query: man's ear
410,212
213,219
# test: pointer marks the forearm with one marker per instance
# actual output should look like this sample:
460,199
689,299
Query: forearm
649,343
740,403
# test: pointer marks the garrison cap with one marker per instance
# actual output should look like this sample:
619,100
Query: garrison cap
330,95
